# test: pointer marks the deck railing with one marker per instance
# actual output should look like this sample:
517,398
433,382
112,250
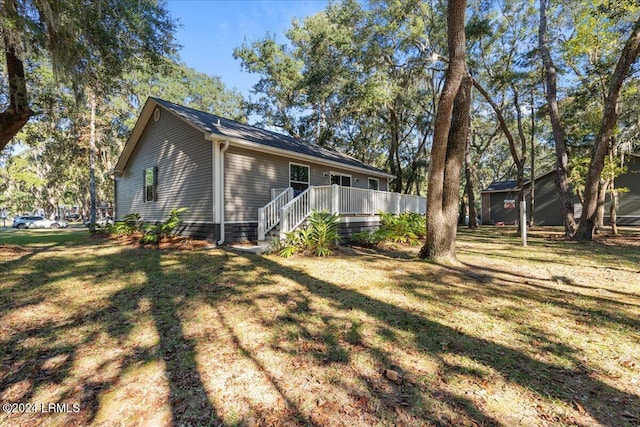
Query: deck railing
269,216
347,201
275,192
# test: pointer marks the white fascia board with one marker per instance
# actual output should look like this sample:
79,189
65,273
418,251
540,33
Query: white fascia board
237,142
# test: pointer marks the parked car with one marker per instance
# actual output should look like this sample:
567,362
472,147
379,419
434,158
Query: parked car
73,217
37,222
101,222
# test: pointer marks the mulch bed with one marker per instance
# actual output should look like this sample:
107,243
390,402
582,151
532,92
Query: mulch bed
167,243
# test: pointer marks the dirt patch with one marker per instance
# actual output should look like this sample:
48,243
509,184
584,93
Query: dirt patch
174,243
13,249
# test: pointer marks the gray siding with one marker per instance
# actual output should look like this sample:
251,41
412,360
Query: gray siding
202,231
347,226
548,210
629,202
184,161
351,225
547,205
485,216
498,212
250,176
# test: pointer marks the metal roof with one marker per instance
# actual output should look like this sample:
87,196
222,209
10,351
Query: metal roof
220,126
501,186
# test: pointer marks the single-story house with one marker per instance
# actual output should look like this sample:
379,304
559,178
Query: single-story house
238,182
496,207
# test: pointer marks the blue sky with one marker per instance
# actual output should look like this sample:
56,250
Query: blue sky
211,29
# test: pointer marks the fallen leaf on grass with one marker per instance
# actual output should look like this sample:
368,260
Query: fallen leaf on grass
580,408
362,401
391,374
629,363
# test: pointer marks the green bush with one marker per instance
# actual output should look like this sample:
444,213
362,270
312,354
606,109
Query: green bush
319,238
134,221
119,228
153,233
406,228
131,223
367,239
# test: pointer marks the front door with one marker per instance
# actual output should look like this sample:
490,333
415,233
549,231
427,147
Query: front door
340,179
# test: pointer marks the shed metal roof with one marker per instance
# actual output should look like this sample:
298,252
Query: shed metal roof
501,186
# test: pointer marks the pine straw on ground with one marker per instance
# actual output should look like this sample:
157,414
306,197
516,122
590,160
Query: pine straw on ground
172,243
543,335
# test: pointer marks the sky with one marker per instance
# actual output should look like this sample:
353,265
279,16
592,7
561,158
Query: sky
211,29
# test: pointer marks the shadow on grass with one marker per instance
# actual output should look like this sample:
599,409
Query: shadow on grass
545,379
35,357
28,354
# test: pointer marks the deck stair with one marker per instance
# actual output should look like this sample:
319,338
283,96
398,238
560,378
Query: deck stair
285,212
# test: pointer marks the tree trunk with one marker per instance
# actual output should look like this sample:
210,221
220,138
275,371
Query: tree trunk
18,112
532,203
471,198
503,126
463,212
613,210
602,196
442,206
92,162
442,191
517,160
394,151
601,146
613,191
562,182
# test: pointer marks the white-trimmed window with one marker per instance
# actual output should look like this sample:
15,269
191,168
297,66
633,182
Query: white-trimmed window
374,184
150,181
340,179
298,177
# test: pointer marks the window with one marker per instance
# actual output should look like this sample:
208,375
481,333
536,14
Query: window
374,184
343,180
298,177
151,184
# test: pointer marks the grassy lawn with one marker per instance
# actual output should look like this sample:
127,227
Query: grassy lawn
536,336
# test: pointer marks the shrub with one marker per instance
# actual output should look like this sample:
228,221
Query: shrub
134,220
320,237
131,223
153,233
275,246
367,239
168,227
407,228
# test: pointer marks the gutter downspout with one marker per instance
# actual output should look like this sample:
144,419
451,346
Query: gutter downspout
221,192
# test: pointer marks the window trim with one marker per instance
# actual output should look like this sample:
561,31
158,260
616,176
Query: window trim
154,185
308,183
369,179
340,174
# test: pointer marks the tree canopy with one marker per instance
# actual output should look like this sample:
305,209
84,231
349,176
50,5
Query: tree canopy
88,46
